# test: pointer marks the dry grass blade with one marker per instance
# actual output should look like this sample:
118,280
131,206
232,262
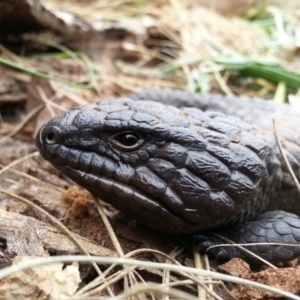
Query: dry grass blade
291,172
240,246
43,97
96,282
131,278
108,282
24,122
23,174
17,161
109,228
95,286
154,289
199,265
142,264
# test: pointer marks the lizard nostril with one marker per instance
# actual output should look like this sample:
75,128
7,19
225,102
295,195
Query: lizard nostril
50,135
50,138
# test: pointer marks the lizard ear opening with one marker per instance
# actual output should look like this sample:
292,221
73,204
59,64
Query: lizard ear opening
127,140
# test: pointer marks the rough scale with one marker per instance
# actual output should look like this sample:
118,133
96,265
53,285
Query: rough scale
212,163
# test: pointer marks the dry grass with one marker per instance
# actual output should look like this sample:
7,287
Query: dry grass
176,44
187,45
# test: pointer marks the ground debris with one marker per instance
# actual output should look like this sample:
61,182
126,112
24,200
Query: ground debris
286,279
47,282
28,236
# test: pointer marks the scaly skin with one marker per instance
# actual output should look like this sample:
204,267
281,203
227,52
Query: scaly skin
260,113
182,170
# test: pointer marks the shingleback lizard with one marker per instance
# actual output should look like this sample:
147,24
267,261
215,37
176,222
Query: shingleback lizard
192,164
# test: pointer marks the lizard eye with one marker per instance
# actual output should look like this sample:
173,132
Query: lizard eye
127,140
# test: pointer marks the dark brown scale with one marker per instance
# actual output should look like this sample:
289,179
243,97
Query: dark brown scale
182,171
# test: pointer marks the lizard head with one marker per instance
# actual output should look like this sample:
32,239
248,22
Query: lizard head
173,170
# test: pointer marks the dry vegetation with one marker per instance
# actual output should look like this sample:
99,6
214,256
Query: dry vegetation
101,50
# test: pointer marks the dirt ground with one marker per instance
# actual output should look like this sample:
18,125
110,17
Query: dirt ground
56,55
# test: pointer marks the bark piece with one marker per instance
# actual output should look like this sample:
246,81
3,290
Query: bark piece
26,236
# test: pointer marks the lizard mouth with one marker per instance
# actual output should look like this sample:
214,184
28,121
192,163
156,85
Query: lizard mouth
132,202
